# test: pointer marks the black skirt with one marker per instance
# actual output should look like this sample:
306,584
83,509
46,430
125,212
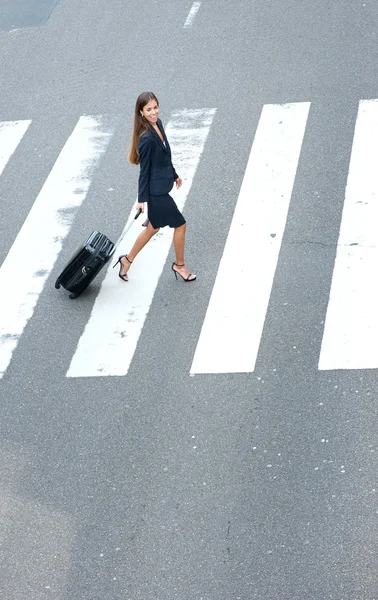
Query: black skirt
163,211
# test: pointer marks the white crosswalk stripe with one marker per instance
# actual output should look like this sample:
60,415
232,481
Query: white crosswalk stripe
51,216
109,341
231,332
233,326
11,133
351,328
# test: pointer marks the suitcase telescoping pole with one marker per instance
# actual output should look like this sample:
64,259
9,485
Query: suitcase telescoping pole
124,232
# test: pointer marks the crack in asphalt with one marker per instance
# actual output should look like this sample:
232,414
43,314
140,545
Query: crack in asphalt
325,245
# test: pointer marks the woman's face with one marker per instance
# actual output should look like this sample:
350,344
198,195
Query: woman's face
151,111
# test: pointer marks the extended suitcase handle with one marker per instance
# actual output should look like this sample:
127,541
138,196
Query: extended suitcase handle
124,232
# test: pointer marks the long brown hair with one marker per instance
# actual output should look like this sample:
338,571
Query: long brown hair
141,126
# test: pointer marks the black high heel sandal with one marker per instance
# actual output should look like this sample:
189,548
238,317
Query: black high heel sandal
177,273
123,277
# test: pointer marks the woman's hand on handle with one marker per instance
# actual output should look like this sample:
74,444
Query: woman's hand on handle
140,206
178,182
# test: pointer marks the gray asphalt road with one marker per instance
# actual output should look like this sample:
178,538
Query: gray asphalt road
158,485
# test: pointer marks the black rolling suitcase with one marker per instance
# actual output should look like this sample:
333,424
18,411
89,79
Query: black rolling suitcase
88,261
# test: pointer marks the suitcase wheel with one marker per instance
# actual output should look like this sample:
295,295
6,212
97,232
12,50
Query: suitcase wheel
72,296
57,284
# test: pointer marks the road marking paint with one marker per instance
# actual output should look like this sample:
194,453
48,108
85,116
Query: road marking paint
192,13
11,133
231,332
39,241
111,335
350,338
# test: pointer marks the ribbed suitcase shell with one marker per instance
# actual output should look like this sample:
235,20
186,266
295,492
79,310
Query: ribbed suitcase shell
86,263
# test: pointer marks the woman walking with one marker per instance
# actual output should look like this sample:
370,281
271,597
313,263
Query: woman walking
150,149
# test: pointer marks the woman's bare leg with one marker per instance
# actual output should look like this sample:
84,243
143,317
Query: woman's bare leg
142,239
179,244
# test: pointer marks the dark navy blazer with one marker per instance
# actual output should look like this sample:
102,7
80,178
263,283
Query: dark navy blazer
157,174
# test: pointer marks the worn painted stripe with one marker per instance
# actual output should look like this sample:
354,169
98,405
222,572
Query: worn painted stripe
111,335
230,336
44,230
192,13
11,133
350,339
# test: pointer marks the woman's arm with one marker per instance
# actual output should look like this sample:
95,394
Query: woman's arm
176,178
144,149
